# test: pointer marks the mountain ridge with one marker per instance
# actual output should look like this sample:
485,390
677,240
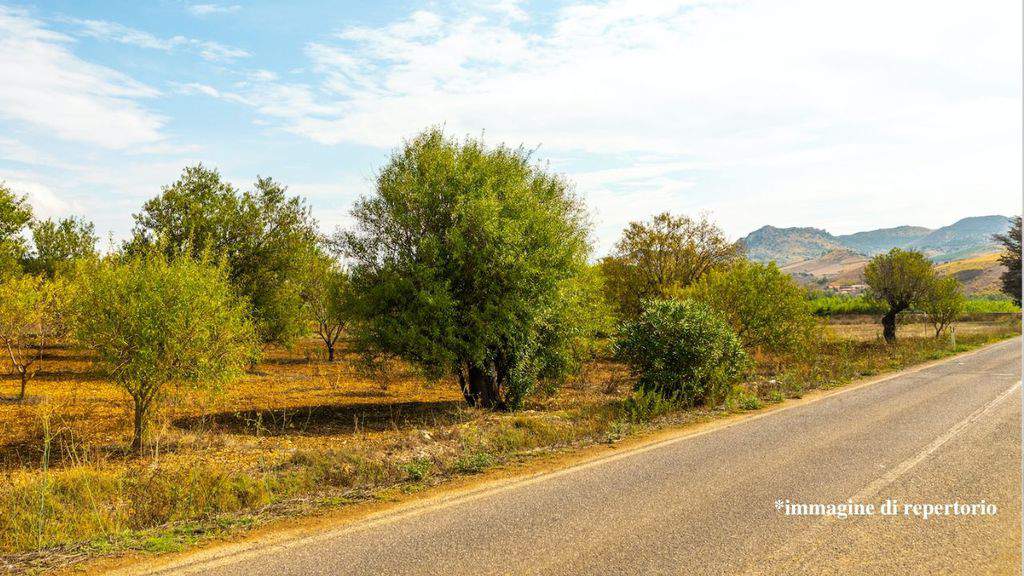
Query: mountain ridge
964,238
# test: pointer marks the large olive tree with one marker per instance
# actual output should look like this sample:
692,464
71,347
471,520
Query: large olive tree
261,233
659,257
901,279
155,321
468,260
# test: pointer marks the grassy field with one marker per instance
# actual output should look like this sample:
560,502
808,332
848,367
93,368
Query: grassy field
301,435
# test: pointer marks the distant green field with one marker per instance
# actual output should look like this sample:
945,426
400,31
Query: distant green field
831,305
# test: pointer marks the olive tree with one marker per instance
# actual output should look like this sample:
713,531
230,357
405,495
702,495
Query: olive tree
57,243
660,257
15,215
260,233
943,303
30,316
155,321
765,307
328,300
467,260
900,279
1011,259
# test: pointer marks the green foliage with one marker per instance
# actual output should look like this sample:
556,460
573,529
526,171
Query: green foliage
469,260
31,310
764,306
830,305
328,299
1011,257
15,215
833,305
56,244
154,321
658,258
261,233
747,401
683,350
992,304
901,279
944,303
645,405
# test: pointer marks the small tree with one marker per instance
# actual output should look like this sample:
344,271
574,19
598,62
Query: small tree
15,215
944,303
682,349
901,279
154,321
462,262
764,306
328,300
660,257
30,308
1011,259
58,243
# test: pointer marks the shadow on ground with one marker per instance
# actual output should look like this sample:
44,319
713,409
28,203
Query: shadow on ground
326,420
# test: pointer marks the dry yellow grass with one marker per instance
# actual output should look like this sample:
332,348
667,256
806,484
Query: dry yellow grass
299,434
872,330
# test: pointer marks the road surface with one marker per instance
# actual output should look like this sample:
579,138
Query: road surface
706,504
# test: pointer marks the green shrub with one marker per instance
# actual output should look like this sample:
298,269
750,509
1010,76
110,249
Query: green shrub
646,405
682,349
764,306
749,402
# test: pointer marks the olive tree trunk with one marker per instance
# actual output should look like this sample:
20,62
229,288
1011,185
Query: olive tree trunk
481,386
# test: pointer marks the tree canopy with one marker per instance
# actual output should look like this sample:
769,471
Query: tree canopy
1011,259
765,307
469,260
944,303
15,215
153,321
660,257
57,243
901,279
261,233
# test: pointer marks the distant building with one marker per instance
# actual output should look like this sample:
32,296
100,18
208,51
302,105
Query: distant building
851,290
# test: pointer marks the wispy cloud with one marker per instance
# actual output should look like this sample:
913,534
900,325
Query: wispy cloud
761,94
115,32
207,9
47,87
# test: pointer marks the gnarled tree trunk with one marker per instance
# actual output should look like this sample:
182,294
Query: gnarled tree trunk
481,387
889,325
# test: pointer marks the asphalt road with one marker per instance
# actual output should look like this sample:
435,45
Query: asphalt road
707,504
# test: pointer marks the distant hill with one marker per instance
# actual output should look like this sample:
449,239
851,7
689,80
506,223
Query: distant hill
878,241
788,245
962,239
839,267
978,274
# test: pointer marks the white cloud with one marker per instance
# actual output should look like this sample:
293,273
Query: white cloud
115,32
193,88
48,87
826,108
45,202
207,9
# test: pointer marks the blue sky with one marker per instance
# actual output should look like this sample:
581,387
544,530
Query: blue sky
840,115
